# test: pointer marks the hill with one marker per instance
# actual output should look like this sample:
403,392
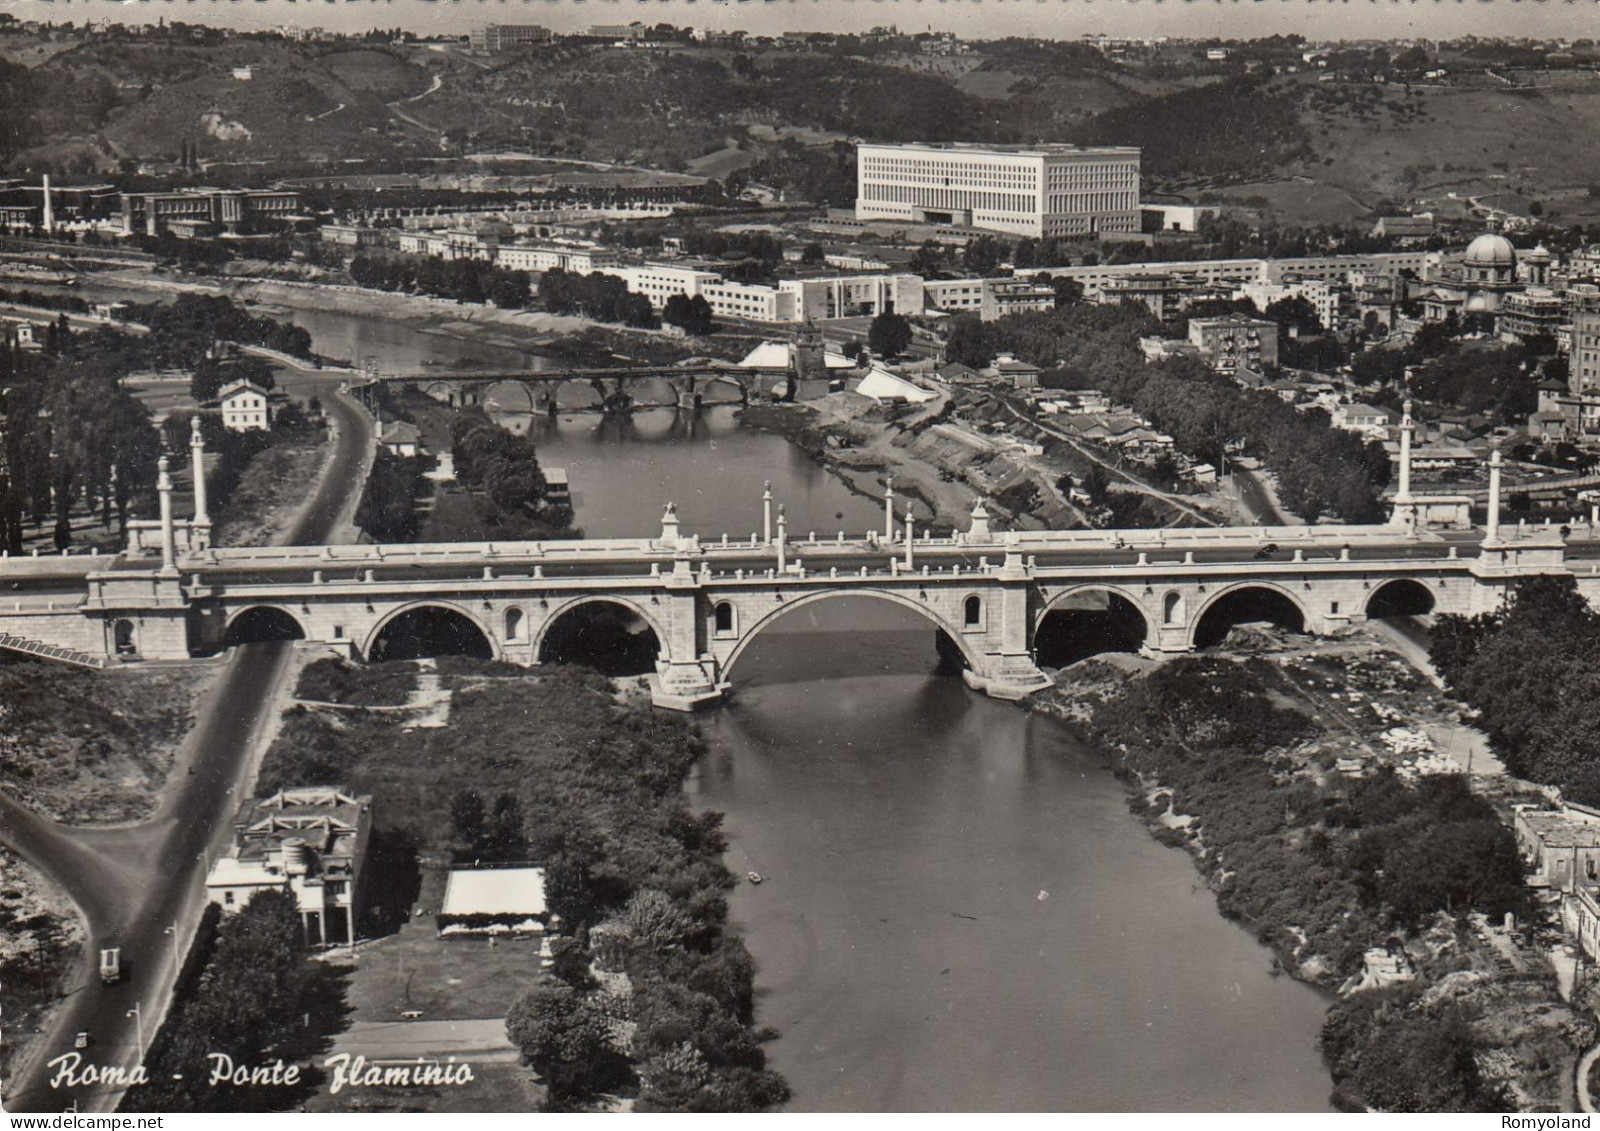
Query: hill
1308,147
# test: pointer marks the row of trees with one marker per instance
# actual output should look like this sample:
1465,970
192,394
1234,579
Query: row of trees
245,1004
504,468
464,280
626,856
73,437
604,298
195,327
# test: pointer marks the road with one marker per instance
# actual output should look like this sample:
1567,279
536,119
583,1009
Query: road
141,888
1257,500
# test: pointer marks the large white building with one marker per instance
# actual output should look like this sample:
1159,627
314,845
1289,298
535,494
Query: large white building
1053,190
792,300
309,842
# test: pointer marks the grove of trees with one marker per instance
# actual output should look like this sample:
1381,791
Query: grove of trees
464,280
605,298
1530,671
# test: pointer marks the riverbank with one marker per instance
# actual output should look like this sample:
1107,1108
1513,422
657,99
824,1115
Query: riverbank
945,467
1297,776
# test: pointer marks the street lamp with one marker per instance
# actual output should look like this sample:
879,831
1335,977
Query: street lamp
138,1020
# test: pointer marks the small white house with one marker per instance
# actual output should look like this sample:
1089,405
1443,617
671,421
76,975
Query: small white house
246,406
401,438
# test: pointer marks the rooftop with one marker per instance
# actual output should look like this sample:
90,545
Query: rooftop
495,891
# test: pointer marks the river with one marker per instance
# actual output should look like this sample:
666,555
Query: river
959,911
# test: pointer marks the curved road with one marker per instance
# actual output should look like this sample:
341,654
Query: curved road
142,887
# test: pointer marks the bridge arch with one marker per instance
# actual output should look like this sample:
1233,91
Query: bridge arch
490,642
1067,650
512,396
972,659
1053,605
256,624
1280,605
541,639
1400,597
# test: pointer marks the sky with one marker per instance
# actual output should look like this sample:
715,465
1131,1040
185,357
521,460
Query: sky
972,19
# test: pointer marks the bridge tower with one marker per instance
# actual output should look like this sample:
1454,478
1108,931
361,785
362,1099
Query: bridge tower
810,377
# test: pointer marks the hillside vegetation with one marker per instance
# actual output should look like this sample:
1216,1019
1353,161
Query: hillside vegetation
1308,146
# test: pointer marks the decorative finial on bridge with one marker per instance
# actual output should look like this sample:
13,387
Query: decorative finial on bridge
783,538
979,531
766,514
888,507
669,525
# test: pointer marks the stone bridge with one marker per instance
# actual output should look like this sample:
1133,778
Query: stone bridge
685,387
705,600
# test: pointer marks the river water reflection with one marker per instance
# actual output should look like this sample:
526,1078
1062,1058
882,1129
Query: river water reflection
959,913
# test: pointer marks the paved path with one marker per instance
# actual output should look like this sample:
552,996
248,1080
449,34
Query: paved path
407,1040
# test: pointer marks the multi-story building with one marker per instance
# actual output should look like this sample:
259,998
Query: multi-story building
1336,269
750,301
1164,295
854,296
246,406
953,295
1055,190
349,235
550,257
1235,342
503,37
1015,296
1318,293
1535,312
311,843
152,212
660,281
1584,375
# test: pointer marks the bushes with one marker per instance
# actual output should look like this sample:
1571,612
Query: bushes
388,508
246,1005
333,680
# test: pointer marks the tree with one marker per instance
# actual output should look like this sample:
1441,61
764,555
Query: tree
813,255
889,335
466,817
972,342
565,1039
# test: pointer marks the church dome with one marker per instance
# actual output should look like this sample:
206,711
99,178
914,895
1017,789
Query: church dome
1491,250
